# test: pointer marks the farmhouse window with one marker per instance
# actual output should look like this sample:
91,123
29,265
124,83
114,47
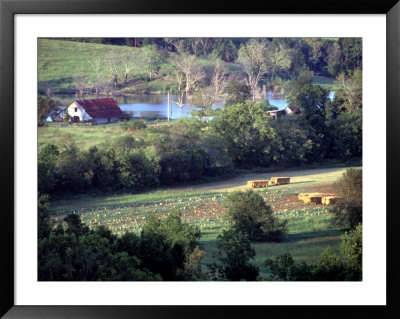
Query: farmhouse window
76,109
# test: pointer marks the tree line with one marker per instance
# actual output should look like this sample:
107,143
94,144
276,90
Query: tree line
188,66
321,55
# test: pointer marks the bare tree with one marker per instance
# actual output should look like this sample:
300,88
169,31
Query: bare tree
179,79
218,80
128,62
175,43
151,60
112,62
195,45
199,45
187,66
252,57
96,66
81,83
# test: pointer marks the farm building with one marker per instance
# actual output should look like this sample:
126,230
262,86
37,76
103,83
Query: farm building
276,113
292,110
273,113
96,110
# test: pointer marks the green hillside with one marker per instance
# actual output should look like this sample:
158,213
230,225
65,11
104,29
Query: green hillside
64,66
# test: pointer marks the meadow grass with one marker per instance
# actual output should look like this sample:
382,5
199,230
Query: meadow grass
87,135
310,230
84,136
61,63
307,238
326,82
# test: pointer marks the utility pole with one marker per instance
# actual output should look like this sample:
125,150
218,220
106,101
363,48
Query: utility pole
171,104
168,107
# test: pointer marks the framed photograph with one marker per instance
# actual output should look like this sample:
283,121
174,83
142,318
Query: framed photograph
126,116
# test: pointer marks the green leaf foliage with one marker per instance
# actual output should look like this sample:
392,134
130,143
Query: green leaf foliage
348,211
250,214
247,133
233,257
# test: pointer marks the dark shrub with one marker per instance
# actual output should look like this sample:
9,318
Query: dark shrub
248,212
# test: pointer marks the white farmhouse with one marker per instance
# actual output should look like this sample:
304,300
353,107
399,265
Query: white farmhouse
96,110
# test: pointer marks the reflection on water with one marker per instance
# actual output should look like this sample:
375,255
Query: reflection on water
278,101
156,106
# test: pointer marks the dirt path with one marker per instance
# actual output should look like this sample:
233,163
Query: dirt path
307,177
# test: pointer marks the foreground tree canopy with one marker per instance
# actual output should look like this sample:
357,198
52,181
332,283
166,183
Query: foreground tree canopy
248,213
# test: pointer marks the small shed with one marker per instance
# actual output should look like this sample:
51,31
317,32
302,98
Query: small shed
99,111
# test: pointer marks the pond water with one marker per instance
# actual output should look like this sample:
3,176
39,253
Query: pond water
156,106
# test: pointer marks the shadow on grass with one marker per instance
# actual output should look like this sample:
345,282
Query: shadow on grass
311,234
57,86
304,182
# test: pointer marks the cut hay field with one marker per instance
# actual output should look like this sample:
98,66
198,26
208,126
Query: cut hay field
310,230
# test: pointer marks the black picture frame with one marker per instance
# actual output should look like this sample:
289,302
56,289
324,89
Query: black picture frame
8,8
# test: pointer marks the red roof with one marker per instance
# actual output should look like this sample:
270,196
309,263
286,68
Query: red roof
101,108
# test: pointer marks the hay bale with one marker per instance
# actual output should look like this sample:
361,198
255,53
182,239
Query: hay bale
280,180
315,199
330,200
257,183
312,198
303,196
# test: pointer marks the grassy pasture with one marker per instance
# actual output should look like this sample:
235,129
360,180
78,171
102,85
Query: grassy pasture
310,230
326,82
86,135
61,64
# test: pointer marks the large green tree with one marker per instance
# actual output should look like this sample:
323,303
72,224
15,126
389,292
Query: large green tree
351,248
45,106
236,92
232,259
348,212
250,214
350,92
247,133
